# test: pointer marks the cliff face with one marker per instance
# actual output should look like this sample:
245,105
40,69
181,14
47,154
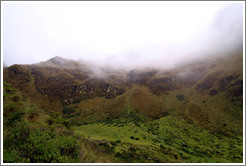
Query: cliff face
71,81
67,83
188,90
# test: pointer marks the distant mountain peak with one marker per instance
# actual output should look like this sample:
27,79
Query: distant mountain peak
58,62
56,59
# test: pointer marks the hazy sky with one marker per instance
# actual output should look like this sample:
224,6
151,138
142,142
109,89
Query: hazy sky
38,31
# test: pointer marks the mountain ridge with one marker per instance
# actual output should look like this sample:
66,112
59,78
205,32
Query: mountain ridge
59,83
191,113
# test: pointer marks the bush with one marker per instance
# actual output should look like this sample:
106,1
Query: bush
180,97
8,88
118,141
43,146
25,141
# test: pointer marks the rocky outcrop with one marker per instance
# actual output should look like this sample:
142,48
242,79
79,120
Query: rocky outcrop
90,89
71,82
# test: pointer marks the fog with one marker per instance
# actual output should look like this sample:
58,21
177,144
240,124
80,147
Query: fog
121,34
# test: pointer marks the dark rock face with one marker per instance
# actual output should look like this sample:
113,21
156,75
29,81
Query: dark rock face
89,90
225,81
71,82
208,81
67,85
71,86
141,78
161,85
236,89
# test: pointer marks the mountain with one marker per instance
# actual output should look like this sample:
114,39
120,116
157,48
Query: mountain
205,94
59,82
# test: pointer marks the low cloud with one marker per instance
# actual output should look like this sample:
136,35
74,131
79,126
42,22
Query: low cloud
121,36
220,38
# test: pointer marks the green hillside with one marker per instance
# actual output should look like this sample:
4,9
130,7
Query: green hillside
59,111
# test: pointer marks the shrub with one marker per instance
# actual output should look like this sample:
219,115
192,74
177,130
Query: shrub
118,141
180,97
25,141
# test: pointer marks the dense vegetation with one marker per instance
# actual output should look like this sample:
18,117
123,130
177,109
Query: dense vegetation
34,135
31,135
61,112
168,139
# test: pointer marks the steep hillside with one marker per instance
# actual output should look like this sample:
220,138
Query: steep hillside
31,134
60,81
206,92
190,113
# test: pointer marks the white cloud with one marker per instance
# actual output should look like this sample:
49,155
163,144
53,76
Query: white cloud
96,30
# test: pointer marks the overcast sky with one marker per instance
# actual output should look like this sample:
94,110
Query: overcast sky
38,31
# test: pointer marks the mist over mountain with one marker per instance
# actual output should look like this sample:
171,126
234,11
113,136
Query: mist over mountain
219,38
4,64
200,96
109,82
163,42
69,81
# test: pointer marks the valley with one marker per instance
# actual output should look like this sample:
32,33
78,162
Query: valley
191,113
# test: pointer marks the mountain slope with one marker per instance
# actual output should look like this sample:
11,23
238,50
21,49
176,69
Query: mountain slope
191,113
207,92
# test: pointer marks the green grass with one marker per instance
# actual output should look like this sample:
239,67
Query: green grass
155,121
167,137
101,131
128,137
